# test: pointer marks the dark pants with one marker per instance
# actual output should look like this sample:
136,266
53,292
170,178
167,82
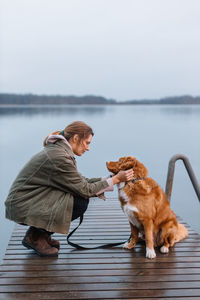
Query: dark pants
80,206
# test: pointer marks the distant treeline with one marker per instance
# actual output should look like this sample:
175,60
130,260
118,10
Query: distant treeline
187,99
30,99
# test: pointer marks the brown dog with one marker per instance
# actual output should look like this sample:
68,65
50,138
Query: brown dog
147,208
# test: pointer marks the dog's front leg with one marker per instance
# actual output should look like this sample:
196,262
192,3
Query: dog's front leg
134,237
148,229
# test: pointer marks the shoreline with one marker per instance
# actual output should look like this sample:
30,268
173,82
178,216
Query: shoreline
98,104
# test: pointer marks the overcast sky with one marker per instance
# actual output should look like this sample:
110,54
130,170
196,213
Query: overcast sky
120,49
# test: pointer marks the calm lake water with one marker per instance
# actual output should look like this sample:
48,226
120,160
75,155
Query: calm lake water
153,134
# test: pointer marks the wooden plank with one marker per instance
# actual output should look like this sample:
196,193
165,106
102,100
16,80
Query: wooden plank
62,267
39,280
102,272
88,286
121,257
34,260
108,294
21,252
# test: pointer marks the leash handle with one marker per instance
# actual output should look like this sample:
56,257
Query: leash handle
79,247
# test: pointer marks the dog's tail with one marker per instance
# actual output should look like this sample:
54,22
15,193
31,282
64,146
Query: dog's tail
181,233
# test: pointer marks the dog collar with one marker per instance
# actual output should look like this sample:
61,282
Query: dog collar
137,179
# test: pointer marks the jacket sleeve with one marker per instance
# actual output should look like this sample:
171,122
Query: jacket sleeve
91,180
67,178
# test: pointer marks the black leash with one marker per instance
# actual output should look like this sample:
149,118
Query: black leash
88,248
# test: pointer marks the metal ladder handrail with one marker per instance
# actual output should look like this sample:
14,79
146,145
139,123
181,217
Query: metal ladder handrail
170,175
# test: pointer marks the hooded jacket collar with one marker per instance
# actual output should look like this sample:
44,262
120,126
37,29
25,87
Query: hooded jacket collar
53,138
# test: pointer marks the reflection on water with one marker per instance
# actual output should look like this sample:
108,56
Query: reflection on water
31,110
51,110
180,109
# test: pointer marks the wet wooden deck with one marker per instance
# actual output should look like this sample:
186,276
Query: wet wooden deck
102,273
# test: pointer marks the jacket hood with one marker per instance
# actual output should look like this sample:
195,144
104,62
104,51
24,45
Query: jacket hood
54,137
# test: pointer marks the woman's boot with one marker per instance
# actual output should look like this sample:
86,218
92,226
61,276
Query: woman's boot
52,242
36,239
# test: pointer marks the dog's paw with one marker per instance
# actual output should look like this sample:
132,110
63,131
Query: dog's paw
150,253
164,249
128,245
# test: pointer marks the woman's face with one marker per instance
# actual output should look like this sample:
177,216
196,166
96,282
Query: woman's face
79,147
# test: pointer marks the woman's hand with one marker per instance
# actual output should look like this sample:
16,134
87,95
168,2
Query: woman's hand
123,176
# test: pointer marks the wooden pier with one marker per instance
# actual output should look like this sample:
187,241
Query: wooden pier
113,273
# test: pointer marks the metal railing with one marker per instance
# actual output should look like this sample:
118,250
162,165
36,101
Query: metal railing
170,175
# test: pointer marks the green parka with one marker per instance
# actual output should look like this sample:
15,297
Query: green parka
42,194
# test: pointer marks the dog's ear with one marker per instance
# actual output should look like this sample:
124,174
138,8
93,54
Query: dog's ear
127,163
113,166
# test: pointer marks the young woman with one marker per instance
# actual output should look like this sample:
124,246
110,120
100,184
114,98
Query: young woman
49,192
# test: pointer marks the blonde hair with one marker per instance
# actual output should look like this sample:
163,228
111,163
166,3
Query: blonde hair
78,127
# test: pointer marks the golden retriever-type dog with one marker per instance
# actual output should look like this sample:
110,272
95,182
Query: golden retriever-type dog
147,208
